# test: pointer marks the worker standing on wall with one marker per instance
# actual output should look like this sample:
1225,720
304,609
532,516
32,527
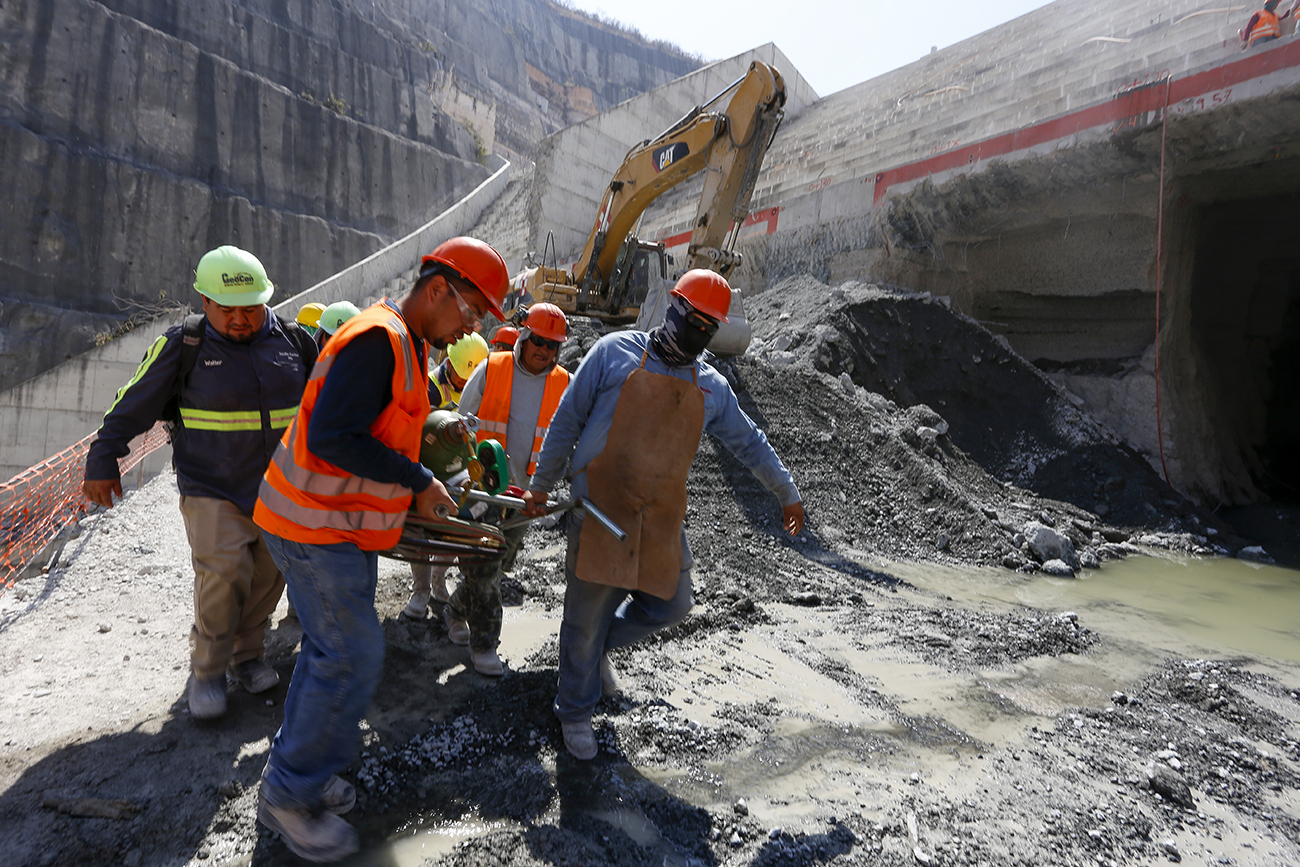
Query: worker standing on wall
1263,26
228,382
630,423
429,580
514,396
335,495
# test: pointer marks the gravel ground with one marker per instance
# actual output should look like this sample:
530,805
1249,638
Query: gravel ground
815,707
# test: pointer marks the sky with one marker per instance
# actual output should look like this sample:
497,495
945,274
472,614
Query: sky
833,43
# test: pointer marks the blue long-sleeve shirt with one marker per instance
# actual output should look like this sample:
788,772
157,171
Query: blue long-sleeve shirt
234,408
357,388
583,418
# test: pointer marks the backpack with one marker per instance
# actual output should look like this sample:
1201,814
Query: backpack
192,342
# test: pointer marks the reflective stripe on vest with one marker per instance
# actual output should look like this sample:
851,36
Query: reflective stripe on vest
306,499
235,420
494,409
1267,25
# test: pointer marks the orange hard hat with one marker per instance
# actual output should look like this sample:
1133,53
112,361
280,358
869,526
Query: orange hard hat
506,334
706,291
546,320
478,263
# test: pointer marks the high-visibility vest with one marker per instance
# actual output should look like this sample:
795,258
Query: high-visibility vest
494,409
1267,25
306,499
446,391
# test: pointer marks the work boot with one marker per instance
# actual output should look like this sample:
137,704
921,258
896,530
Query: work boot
316,837
457,630
487,662
255,675
207,697
579,739
608,677
339,796
417,608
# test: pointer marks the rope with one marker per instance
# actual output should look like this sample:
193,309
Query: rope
39,502
1160,215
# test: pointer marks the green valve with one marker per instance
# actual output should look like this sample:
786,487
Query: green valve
496,475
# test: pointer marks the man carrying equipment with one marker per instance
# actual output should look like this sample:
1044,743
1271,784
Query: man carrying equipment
631,423
514,396
335,495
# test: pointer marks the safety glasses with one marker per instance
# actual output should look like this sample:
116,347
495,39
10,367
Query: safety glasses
468,317
543,343
698,320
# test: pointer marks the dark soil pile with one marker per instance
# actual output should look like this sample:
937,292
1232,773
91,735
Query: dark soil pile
1001,410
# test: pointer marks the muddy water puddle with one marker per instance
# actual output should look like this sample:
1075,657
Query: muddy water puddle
862,718
1183,605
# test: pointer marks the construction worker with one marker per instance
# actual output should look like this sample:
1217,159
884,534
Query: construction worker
309,317
332,317
631,422
429,580
448,379
1263,26
228,381
514,396
336,494
503,340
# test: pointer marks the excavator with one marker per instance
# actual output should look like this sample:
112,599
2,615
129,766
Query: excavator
617,271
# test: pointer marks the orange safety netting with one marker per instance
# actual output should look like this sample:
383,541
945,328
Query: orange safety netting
39,502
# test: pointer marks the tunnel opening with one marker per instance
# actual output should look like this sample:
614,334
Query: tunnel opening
1245,329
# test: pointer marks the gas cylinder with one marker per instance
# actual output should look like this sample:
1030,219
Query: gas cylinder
447,443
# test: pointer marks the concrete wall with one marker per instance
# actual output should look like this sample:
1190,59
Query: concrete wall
574,165
1019,174
59,407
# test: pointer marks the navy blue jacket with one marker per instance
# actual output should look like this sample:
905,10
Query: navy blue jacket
239,399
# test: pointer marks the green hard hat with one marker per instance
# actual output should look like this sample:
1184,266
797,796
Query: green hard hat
233,278
336,314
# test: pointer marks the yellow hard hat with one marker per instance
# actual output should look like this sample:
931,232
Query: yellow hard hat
309,315
467,353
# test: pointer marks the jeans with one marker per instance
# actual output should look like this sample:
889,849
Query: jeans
598,618
339,666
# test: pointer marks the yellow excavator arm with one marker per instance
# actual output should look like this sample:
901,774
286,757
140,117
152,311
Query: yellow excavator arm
729,145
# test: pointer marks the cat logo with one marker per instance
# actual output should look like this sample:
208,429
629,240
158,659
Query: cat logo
669,154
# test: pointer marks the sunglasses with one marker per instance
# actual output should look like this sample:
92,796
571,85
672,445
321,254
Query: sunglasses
543,343
699,321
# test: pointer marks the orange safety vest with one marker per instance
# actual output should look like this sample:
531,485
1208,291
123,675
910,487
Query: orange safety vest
1267,25
306,499
494,409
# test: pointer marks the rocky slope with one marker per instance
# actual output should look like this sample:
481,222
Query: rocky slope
141,133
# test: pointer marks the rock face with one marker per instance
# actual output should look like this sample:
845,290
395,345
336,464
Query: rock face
138,134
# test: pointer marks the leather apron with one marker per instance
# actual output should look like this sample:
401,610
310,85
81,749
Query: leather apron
639,480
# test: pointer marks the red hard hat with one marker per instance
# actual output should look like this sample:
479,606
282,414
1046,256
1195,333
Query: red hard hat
706,291
546,320
506,334
478,263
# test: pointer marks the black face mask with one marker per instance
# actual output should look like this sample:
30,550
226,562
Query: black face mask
684,335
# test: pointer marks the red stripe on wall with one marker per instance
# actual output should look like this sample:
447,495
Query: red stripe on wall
1144,98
